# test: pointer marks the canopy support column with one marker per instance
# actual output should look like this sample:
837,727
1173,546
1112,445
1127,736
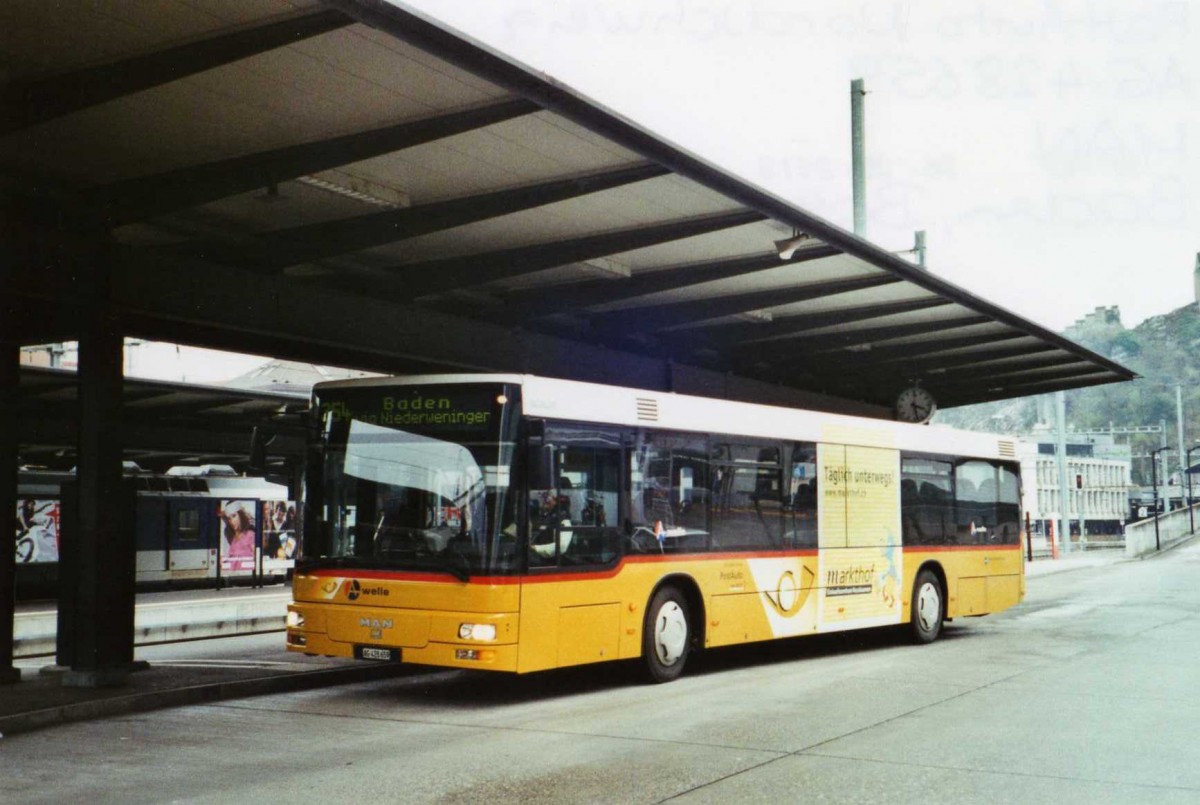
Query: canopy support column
9,370
96,598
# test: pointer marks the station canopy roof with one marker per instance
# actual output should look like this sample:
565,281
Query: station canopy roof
163,424
356,183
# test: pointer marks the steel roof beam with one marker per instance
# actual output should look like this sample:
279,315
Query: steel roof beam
303,244
991,394
948,389
36,430
831,366
833,342
1010,380
166,411
974,376
150,196
906,358
652,318
592,293
413,280
32,102
1016,365
723,335
904,365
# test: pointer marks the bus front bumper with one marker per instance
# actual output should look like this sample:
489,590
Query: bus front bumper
483,641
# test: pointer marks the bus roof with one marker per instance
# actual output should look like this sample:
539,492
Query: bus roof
573,400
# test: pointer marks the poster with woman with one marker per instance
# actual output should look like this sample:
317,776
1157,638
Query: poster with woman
239,535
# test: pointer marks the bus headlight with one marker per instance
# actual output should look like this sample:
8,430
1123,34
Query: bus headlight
294,619
477,631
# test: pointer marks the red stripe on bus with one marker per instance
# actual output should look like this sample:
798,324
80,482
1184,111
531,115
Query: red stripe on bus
408,575
559,575
556,574
943,548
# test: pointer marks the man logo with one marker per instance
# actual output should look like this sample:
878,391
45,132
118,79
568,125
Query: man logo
376,626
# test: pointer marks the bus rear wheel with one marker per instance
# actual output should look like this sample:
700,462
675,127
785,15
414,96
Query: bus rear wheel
666,635
928,607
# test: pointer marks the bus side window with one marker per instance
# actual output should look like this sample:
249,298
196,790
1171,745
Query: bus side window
548,510
800,512
574,521
975,498
927,514
747,506
669,494
1008,506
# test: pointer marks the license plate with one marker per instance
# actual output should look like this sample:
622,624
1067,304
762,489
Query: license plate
376,653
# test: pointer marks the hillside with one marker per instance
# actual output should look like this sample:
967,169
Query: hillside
1162,349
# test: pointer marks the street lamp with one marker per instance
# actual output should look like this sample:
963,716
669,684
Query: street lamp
1154,481
1188,472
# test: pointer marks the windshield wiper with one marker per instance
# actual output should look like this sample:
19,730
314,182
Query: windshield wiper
335,562
456,564
450,560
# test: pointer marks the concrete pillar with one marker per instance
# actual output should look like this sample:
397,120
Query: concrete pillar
9,373
1064,489
96,599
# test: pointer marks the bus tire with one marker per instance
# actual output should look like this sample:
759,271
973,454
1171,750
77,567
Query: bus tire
928,607
667,635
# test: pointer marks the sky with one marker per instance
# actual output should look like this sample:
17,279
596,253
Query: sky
1047,148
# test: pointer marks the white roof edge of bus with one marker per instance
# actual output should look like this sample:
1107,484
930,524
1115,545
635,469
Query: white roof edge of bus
617,405
410,380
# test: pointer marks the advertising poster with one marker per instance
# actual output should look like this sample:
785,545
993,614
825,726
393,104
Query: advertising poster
37,531
831,496
239,535
860,568
279,536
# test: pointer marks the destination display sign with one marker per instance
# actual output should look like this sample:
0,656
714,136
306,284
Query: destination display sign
459,409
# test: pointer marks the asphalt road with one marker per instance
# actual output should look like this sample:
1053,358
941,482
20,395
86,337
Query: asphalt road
1087,692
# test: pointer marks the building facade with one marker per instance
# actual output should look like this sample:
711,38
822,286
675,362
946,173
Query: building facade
1098,481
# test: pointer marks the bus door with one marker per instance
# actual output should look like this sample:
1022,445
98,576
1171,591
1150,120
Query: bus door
988,519
192,532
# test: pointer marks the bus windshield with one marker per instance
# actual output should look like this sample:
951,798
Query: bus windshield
415,478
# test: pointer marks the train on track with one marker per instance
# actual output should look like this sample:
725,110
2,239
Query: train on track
194,526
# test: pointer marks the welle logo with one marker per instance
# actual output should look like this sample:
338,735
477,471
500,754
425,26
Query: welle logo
355,590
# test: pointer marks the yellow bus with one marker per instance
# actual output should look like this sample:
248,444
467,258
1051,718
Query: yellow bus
519,523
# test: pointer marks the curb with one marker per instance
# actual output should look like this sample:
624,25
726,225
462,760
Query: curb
46,644
35,633
196,694
1057,570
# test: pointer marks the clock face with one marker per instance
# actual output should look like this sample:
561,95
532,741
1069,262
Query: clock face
915,405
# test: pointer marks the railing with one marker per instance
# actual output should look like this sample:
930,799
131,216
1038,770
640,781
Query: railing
1173,527
1039,545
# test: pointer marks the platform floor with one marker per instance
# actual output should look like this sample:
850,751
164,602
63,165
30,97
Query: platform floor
40,699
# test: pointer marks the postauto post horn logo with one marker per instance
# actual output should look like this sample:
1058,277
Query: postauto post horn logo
354,590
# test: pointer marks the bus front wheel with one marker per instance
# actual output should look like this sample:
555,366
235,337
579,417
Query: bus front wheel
667,635
928,607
